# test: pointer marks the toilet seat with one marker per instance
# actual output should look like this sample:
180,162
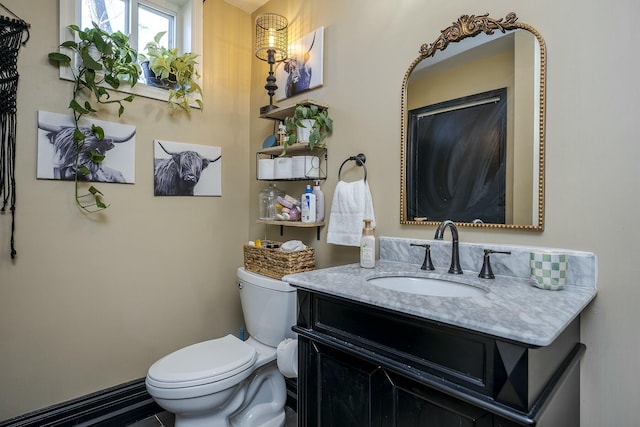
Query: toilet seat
203,363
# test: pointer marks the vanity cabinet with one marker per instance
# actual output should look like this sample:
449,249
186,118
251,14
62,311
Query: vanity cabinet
361,365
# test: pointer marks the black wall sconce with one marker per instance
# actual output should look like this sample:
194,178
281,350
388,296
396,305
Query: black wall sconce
271,46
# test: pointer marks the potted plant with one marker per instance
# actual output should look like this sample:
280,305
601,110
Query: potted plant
309,124
104,62
151,78
173,71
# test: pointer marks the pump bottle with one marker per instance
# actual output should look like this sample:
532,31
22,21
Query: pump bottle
367,246
308,201
319,201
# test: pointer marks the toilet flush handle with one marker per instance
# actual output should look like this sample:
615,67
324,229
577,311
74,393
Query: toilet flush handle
240,285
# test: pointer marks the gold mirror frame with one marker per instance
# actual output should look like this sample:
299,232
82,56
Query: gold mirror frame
470,26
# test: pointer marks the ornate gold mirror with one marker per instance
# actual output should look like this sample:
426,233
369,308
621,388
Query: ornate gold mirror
473,127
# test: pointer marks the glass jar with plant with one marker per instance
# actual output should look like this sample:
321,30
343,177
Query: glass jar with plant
104,62
173,71
309,124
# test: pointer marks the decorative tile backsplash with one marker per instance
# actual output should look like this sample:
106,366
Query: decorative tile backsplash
583,266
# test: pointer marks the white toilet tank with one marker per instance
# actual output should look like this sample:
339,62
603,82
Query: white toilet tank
268,306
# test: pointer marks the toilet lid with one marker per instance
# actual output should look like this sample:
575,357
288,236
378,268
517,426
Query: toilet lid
203,363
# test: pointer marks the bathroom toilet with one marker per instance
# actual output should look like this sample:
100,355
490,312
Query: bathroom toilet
227,381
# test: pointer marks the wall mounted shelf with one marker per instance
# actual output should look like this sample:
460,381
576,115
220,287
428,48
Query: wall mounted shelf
284,112
312,172
298,224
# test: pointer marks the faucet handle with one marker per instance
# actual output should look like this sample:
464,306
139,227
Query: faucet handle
486,272
426,264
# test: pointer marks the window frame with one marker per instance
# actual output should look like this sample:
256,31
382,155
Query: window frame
70,13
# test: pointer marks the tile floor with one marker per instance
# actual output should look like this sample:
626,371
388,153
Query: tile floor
166,419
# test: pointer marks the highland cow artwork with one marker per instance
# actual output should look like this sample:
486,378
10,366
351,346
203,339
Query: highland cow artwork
57,150
186,169
302,70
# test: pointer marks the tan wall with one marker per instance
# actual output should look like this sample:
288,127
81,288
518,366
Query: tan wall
64,336
592,149
91,302
481,75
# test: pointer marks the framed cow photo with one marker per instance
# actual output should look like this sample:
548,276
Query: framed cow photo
302,70
181,169
57,150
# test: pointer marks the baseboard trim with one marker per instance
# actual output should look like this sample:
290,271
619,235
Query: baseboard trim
116,406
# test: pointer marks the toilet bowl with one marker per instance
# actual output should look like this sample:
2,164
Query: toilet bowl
226,381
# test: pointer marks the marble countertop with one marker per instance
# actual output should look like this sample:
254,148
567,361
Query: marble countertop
511,308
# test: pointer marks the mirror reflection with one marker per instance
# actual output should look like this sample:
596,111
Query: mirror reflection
473,127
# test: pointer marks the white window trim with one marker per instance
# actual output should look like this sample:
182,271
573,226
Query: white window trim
70,14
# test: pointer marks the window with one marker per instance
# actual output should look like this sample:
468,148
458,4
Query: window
151,21
110,15
147,18
141,20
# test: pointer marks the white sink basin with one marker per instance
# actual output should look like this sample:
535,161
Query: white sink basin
426,286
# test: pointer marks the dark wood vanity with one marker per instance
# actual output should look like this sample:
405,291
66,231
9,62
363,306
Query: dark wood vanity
363,365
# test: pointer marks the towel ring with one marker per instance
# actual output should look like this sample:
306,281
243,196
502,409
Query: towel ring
360,160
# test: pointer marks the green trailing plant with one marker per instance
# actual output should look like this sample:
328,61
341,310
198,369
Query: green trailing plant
105,61
321,128
178,70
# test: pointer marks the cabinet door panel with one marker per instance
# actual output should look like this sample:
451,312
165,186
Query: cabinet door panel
421,406
352,392
340,390
346,391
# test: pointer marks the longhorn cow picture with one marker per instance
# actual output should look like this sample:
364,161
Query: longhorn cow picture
181,169
57,150
302,70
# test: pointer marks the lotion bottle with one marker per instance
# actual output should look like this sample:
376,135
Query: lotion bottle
308,213
367,246
319,201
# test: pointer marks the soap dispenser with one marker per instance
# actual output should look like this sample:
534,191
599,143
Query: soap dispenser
367,246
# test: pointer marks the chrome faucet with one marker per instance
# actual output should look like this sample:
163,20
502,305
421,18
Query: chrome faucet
455,251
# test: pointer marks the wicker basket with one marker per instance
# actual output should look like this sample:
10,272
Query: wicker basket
276,263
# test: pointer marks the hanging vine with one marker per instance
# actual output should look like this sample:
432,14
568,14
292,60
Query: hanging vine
105,60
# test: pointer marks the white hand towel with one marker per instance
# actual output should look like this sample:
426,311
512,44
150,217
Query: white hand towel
351,204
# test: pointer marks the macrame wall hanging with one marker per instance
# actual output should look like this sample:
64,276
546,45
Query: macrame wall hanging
12,31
